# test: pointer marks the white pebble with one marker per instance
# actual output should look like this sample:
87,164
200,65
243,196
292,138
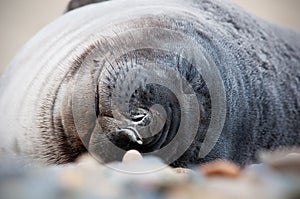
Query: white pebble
131,156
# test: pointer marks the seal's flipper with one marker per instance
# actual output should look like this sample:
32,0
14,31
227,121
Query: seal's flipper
73,4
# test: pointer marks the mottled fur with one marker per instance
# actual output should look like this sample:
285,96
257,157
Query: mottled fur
259,63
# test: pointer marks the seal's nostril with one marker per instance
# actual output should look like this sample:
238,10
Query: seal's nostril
137,118
140,117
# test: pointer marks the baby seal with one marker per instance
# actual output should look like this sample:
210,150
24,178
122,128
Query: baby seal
189,81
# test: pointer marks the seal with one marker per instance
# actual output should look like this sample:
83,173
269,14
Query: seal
189,81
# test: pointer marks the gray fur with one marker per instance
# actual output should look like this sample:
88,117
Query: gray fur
259,64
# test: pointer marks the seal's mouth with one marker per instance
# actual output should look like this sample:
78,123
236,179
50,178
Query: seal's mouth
132,134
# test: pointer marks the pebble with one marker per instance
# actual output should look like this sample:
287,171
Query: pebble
220,168
131,156
88,179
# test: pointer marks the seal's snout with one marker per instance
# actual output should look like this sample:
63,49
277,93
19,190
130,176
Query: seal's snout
140,130
129,134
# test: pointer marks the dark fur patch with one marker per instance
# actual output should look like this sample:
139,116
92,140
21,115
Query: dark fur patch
73,4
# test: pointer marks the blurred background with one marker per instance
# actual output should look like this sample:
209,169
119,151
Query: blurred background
21,19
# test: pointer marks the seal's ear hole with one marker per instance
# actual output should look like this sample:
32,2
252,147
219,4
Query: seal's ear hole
73,4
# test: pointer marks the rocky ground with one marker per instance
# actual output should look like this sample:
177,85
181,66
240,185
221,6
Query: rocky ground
276,177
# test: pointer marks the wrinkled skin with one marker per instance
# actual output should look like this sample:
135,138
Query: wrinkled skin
259,64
